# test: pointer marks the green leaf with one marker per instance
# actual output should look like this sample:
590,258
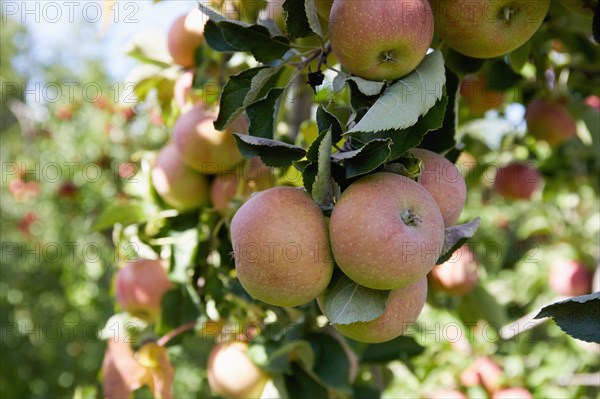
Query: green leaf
501,77
461,64
123,213
184,253
346,302
456,236
443,139
255,39
263,113
312,17
212,14
578,316
326,120
271,152
296,20
300,385
406,100
366,87
519,57
406,139
401,348
240,91
178,307
365,159
331,366
215,39
275,356
325,189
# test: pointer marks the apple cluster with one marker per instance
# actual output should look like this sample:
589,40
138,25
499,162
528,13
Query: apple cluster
386,232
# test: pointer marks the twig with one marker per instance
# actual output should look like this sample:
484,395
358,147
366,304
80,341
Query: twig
162,341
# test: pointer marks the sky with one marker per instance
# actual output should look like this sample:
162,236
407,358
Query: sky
54,24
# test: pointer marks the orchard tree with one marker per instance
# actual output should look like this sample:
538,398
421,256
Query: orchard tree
354,112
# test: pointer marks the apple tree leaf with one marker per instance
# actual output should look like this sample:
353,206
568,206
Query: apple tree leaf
501,77
402,103
443,139
346,302
271,152
478,305
331,364
120,212
365,159
596,23
297,23
367,87
401,348
178,306
462,64
254,39
326,120
312,17
578,316
300,384
519,57
263,113
325,189
406,139
274,356
242,90
456,236
211,13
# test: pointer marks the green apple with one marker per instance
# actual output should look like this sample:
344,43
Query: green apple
487,28
380,40
386,231
280,246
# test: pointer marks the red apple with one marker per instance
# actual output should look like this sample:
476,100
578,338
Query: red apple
444,182
458,275
380,40
550,121
185,36
570,278
178,186
517,181
202,147
140,286
483,371
487,28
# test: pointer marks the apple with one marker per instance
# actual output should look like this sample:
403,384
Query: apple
487,28
254,176
185,36
183,91
571,278
517,181
447,394
402,309
458,275
581,7
444,182
121,372
180,187
380,40
550,121
280,246
477,97
140,286
232,374
483,371
202,147
512,393
593,102
596,280
386,231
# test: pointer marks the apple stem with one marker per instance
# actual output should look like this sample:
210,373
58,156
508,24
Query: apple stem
410,218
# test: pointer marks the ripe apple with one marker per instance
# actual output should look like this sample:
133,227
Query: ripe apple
183,91
202,147
581,7
483,371
593,102
178,186
254,175
517,181
380,40
447,394
386,231
458,275
402,309
121,372
512,393
281,249
444,182
140,286
570,278
185,36
477,97
487,28
550,121
232,374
